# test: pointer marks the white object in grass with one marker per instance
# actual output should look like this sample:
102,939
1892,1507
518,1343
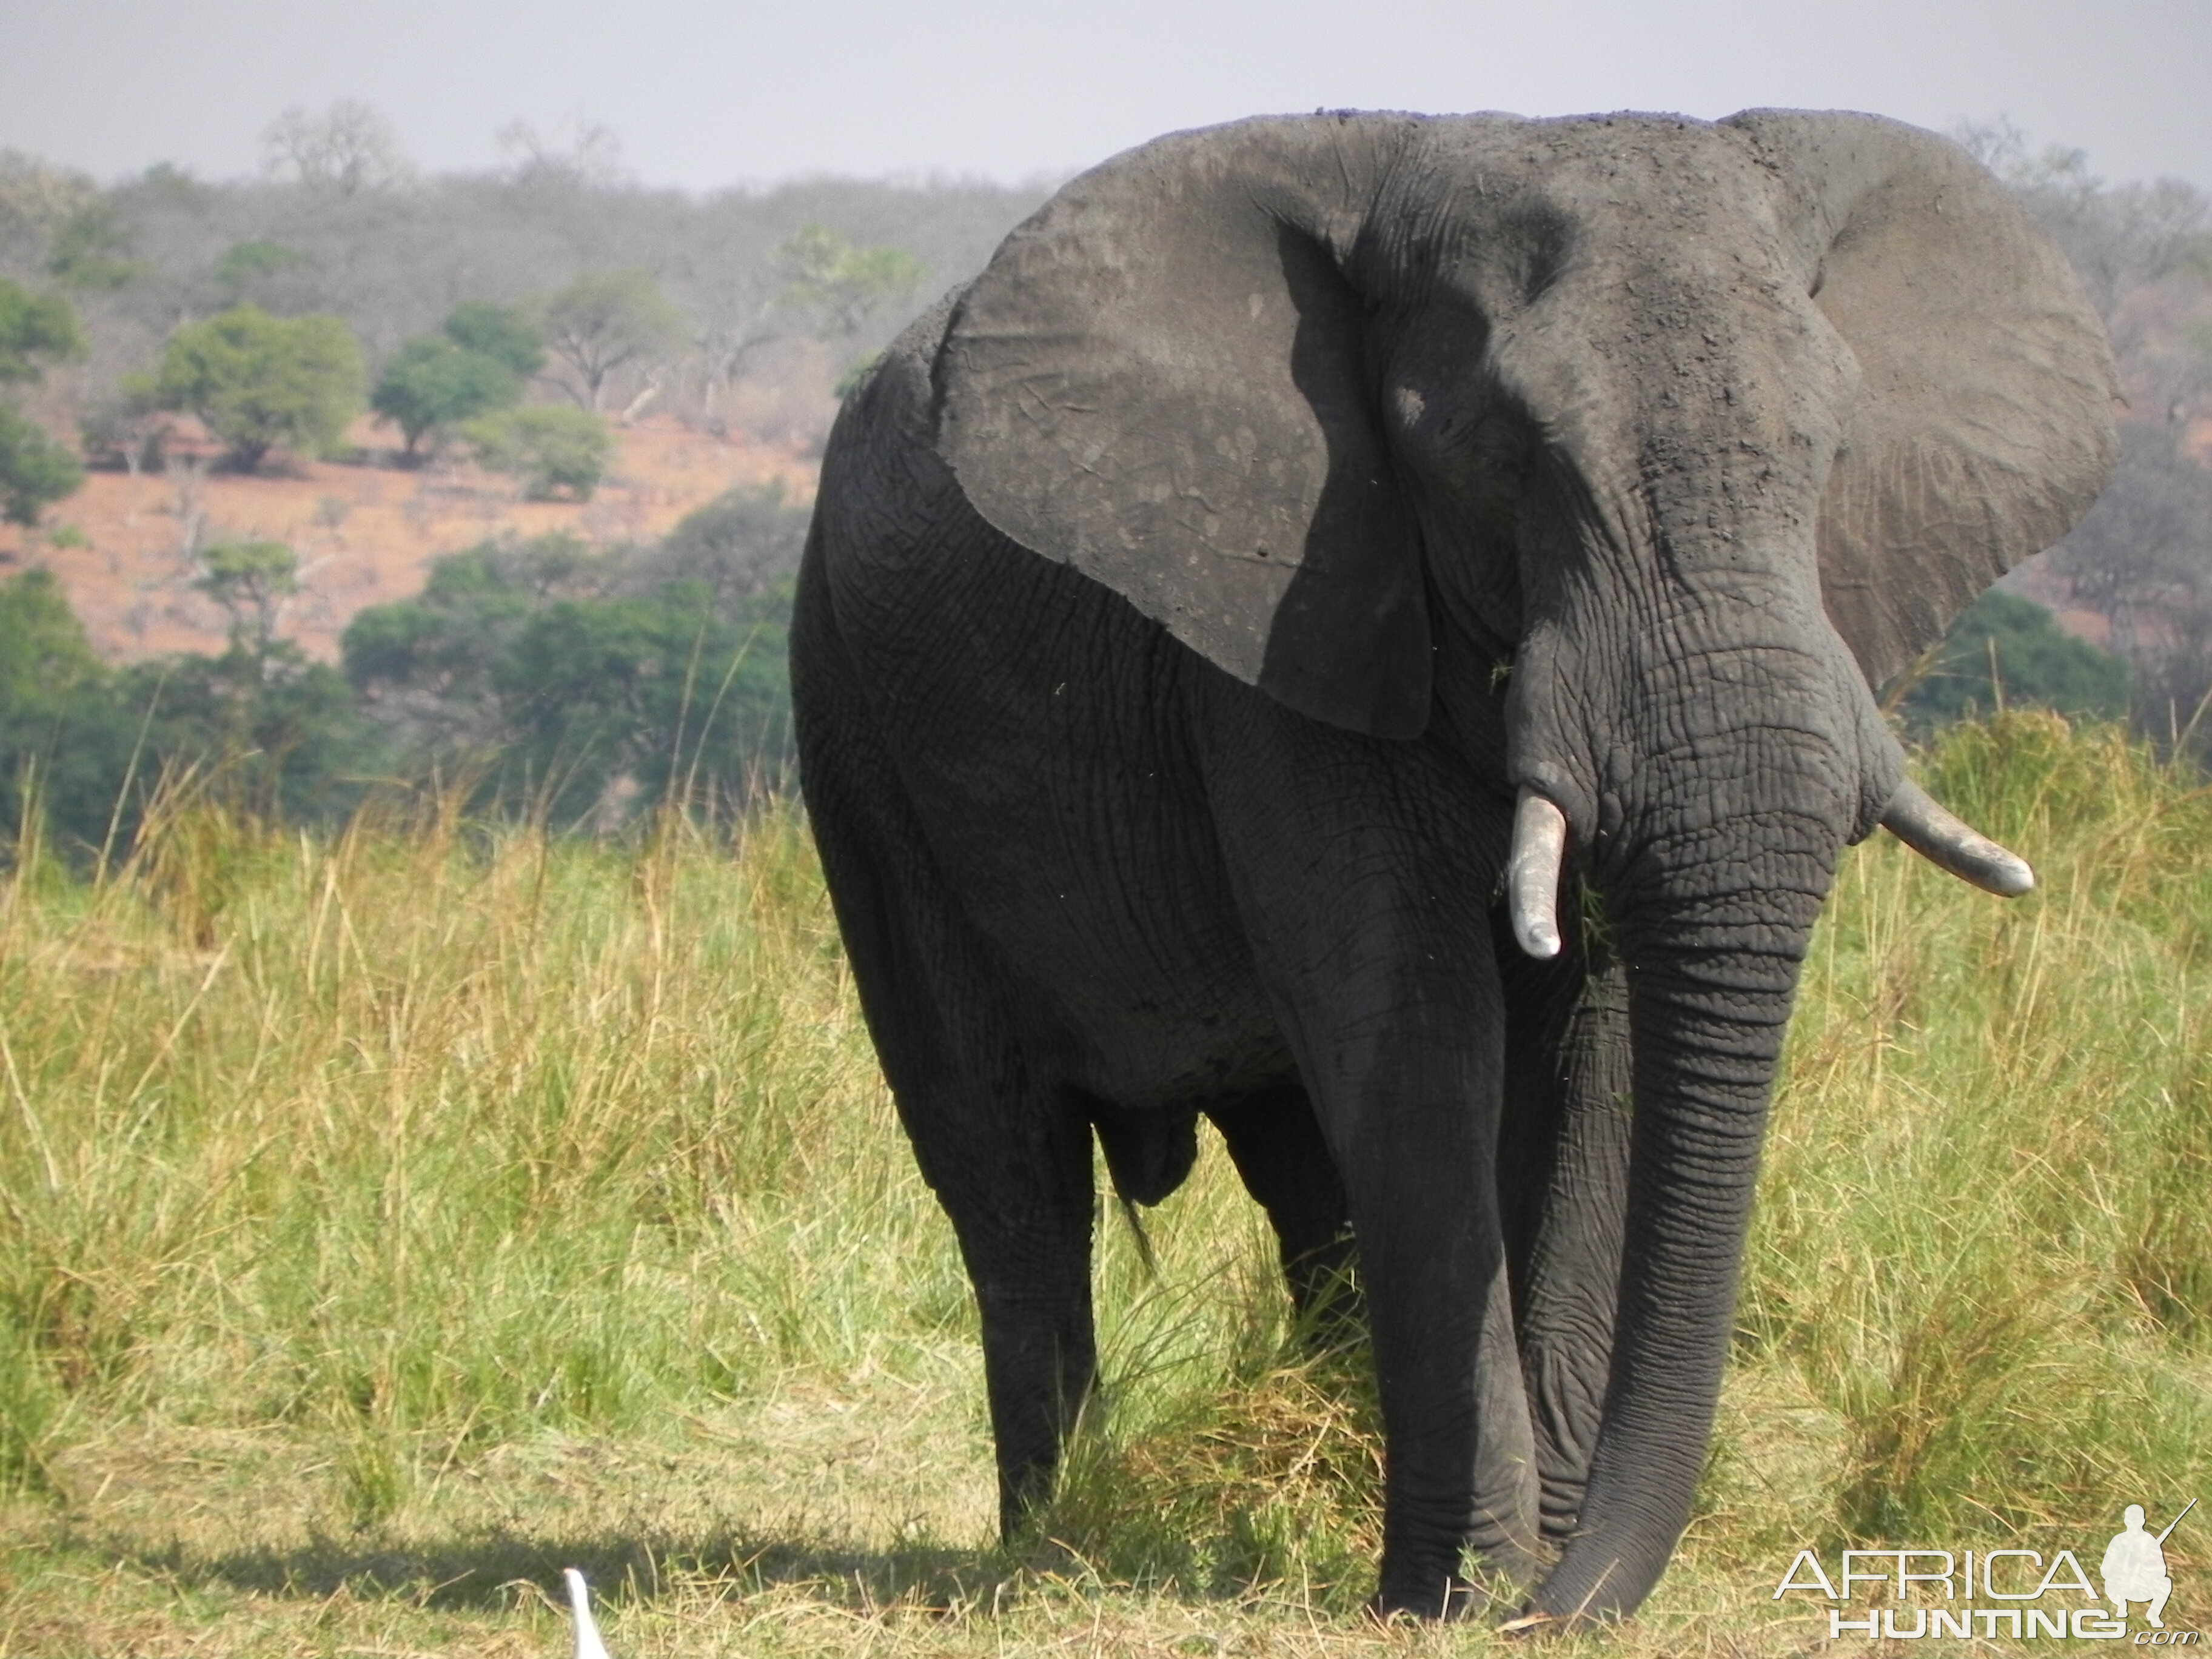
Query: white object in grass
588,1645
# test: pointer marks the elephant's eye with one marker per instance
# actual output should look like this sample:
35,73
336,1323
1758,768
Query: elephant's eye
1500,443
1430,421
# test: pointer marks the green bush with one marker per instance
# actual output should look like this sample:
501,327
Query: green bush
501,333
35,471
259,382
2008,651
552,449
37,330
83,747
597,684
432,385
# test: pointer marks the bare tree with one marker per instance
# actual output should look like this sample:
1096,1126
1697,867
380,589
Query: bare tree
819,283
578,152
603,320
37,199
346,150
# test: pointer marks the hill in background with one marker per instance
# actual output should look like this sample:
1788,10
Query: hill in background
769,299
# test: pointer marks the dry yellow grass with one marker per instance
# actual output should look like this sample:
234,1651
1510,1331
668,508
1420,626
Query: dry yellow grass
392,1219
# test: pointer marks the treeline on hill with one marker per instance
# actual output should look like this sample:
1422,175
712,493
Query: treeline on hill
342,225
577,686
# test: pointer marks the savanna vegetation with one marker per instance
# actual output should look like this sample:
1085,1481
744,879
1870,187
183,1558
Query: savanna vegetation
627,293
578,686
400,1211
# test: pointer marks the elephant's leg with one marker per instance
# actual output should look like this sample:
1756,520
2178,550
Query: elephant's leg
1563,1170
1019,1196
1416,1134
1363,874
1006,1150
1279,1151
1008,1154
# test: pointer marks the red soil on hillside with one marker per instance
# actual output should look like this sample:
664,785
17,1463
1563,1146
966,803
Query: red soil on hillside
363,534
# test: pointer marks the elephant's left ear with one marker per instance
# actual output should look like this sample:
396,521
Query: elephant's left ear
1159,380
1985,426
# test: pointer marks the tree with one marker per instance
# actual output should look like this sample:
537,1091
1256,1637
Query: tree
251,581
346,150
56,721
824,286
424,666
37,197
739,546
258,381
839,284
432,385
550,447
2005,650
35,471
615,703
501,333
268,274
43,647
651,669
588,156
37,330
603,320
128,425
91,251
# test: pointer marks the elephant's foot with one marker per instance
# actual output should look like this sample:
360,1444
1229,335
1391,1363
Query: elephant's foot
1445,1596
1500,1586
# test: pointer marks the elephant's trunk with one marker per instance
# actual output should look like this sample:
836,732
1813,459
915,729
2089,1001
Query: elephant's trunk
1710,984
1716,801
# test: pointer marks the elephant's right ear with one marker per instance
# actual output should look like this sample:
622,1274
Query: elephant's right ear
1159,380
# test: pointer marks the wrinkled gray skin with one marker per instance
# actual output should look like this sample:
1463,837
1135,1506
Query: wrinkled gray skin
1188,598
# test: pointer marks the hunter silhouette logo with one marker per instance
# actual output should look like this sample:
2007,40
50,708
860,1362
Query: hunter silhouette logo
2134,1568
1934,1592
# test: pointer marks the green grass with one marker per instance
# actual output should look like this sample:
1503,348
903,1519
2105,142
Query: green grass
388,1220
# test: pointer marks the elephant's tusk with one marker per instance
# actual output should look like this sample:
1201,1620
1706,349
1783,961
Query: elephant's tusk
1532,874
588,1645
1915,820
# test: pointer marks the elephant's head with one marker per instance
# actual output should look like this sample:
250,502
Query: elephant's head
1692,432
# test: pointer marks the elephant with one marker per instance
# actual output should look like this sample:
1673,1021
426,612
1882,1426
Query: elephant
1364,627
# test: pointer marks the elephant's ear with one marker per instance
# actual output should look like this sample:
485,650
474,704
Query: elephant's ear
1159,380
1984,425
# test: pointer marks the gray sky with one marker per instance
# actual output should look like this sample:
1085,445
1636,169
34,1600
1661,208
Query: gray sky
703,94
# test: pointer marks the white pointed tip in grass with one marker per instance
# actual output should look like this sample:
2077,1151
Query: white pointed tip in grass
588,1645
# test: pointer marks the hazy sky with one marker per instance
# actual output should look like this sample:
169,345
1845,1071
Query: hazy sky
703,94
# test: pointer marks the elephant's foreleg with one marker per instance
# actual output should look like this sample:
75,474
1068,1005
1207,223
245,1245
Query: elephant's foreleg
1366,902
1563,1172
1461,1471
1285,1164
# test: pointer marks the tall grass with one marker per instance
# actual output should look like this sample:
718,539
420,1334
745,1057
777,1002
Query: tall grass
422,1143
1985,1244
437,1134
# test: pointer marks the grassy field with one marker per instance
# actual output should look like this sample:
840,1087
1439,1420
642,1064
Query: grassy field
391,1219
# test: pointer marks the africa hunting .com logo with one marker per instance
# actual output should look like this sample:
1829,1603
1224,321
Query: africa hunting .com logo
1941,1592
